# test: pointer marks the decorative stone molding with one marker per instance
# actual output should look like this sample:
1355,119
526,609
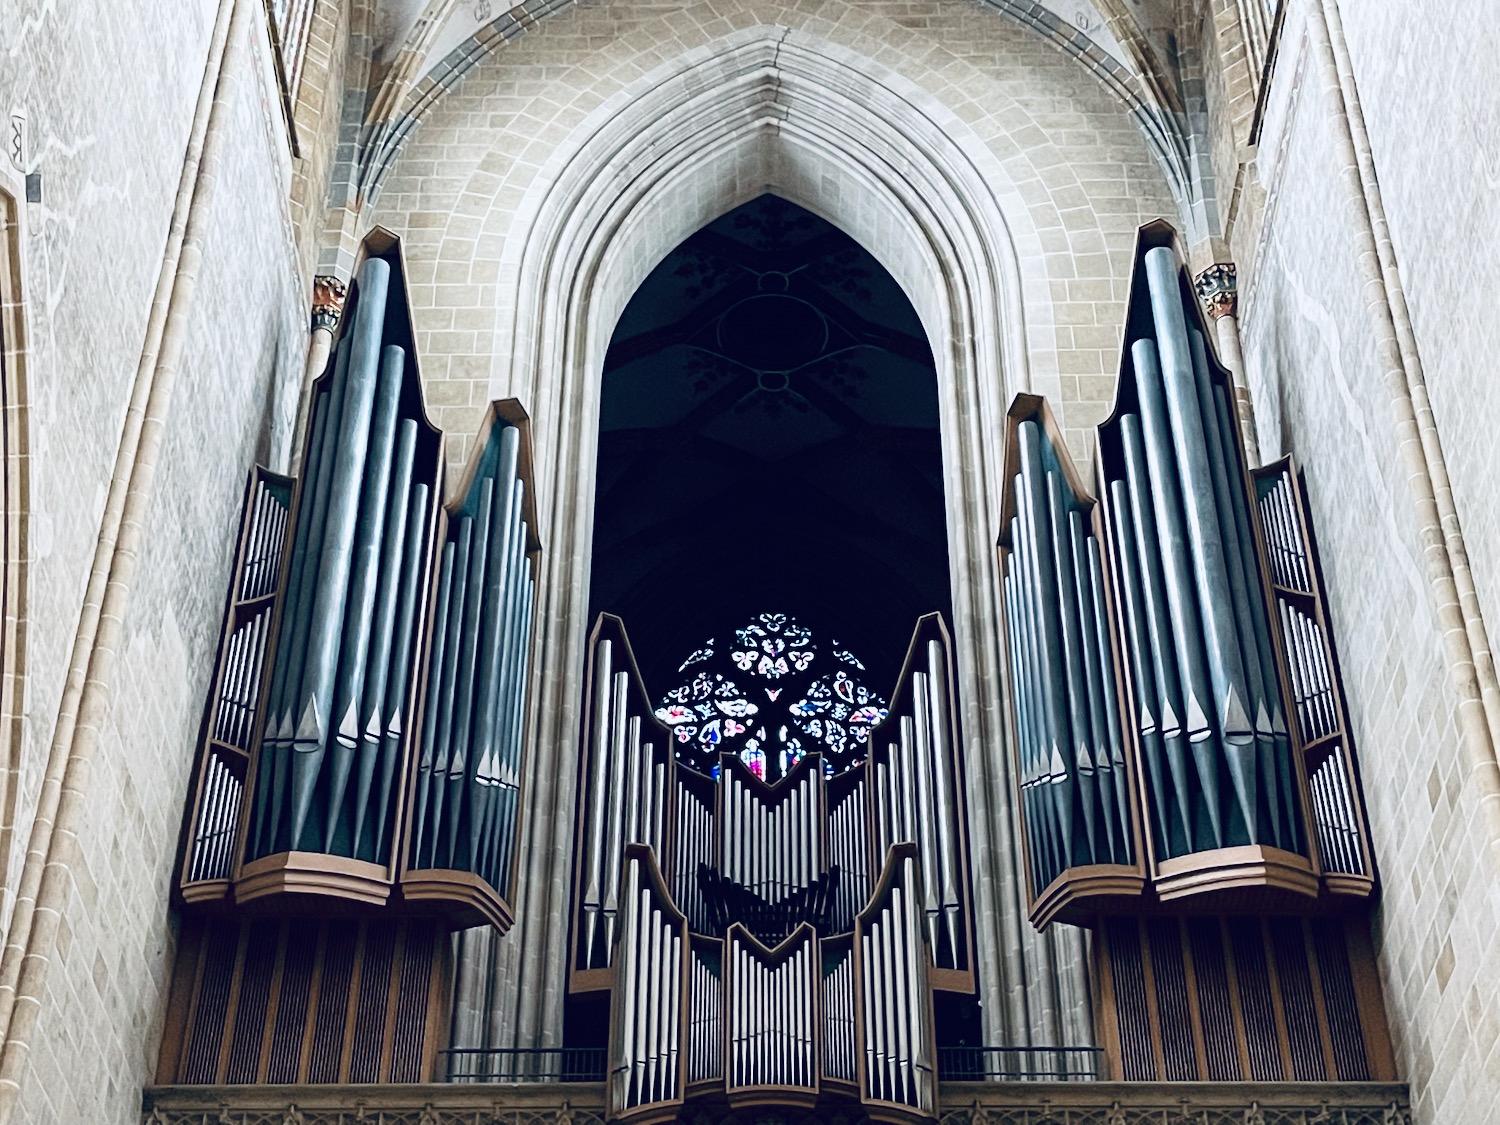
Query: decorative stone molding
451,1104
328,301
982,1103
1218,289
1168,1103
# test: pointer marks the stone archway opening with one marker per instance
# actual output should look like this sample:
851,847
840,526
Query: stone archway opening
764,110
769,441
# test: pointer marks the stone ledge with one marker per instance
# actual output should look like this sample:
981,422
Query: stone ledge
972,1103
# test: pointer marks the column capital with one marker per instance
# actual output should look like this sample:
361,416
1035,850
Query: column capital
1217,289
328,301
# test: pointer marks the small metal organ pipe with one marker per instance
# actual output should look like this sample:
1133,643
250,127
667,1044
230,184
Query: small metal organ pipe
468,775
646,1060
1071,758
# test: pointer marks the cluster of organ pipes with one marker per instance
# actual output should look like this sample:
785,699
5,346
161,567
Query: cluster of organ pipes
771,997
1074,783
1209,703
235,698
847,849
333,735
773,884
773,847
1318,706
647,1024
839,1028
239,695
1172,684
913,790
264,538
706,1020
219,816
467,782
374,663
895,1006
626,796
693,843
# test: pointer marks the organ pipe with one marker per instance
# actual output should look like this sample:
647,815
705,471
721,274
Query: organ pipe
652,956
773,881
338,685
773,998
1319,722
891,961
237,686
467,774
1074,789
339,725
1170,675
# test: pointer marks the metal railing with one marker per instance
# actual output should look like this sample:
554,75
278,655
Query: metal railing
516,1064
1020,1064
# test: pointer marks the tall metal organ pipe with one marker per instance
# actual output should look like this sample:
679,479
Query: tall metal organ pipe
353,597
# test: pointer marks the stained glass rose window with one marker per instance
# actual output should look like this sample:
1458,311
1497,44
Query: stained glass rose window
772,695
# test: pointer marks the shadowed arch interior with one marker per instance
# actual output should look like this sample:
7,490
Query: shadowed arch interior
769,440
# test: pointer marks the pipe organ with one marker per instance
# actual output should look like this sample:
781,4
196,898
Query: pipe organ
771,944
364,736
1182,765
1181,750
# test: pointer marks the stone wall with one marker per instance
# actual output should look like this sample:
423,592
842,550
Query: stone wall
1079,173
1321,394
108,92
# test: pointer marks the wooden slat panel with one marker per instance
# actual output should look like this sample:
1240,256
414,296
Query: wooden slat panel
1215,1011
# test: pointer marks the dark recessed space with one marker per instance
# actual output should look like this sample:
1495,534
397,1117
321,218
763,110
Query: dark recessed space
769,442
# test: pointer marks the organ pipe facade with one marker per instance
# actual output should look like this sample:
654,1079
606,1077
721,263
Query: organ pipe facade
1184,774
363,742
1181,750
817,915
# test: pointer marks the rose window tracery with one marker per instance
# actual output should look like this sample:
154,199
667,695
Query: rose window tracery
772,695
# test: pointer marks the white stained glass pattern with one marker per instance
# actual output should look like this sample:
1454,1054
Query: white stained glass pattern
772,695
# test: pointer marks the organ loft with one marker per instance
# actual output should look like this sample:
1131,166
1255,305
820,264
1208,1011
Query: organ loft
748,562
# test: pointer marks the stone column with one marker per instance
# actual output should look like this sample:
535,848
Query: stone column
327,309
1218,290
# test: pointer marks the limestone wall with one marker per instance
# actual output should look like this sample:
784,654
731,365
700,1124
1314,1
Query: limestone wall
108,92
1076,175
1320,393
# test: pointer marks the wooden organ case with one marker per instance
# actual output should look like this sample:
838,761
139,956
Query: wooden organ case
355,793
1187,786
771,945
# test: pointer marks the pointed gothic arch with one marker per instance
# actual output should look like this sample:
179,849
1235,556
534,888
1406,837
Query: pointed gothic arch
766,108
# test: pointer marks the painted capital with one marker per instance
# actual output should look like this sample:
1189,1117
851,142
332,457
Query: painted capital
328,301
1217,290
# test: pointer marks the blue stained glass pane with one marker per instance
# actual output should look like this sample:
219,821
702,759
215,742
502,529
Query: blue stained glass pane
770,697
